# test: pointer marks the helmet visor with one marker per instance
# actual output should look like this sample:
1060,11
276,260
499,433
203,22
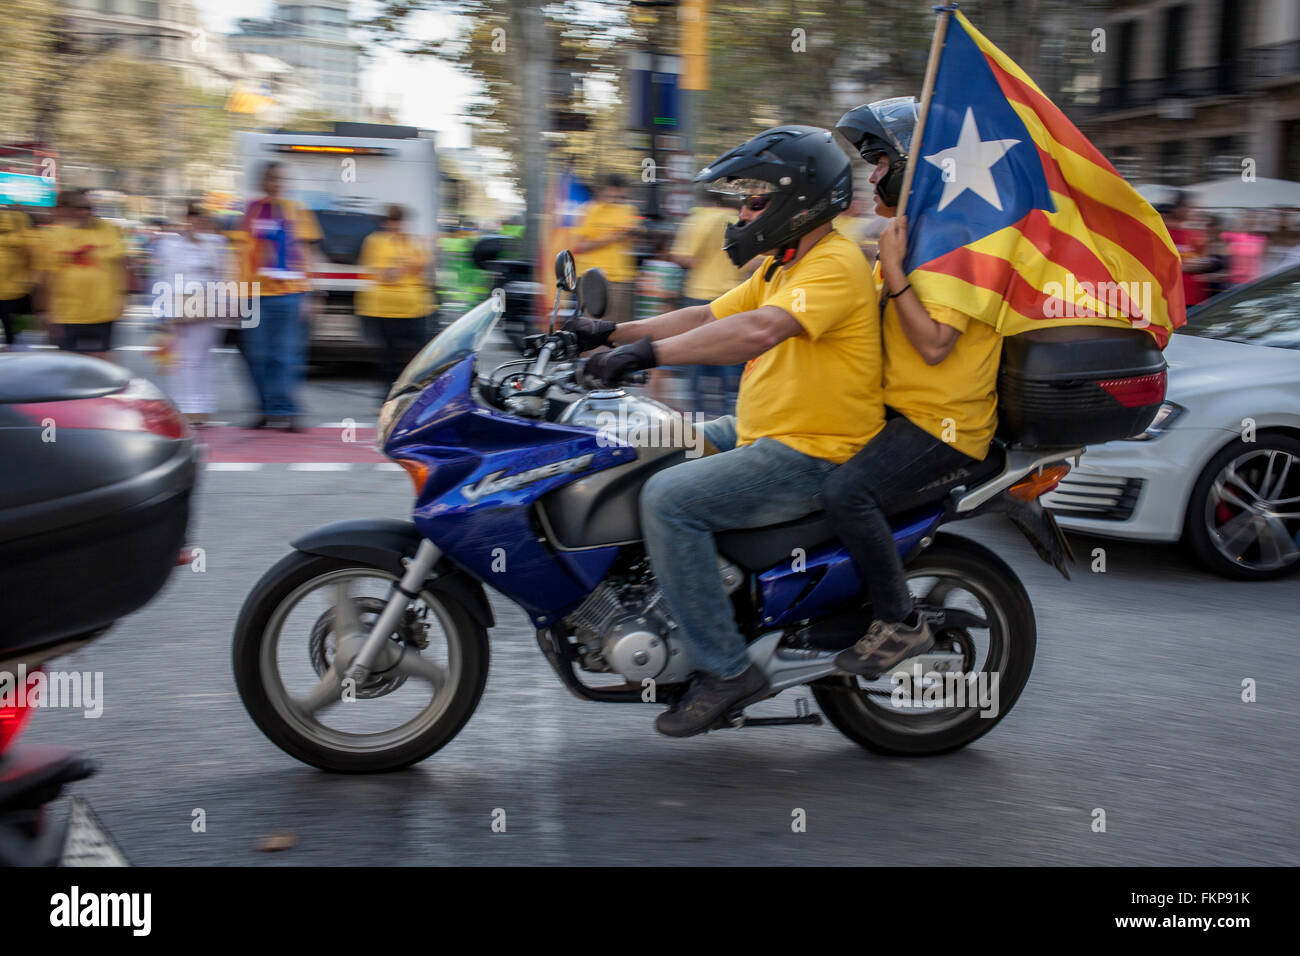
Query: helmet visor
898,116
743,187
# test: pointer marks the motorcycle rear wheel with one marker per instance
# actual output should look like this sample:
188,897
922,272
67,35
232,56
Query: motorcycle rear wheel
303,735
869,719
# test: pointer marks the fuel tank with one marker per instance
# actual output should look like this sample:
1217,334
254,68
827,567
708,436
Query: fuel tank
603,509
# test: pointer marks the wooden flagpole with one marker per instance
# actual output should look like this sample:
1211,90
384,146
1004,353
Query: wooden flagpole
914,151
927,90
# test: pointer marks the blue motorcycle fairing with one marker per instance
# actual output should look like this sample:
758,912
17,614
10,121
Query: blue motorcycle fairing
486,469
827,579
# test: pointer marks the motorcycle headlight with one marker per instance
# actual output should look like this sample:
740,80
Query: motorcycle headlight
390,414
1168,413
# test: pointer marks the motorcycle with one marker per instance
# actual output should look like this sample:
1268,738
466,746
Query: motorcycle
94,510
528,479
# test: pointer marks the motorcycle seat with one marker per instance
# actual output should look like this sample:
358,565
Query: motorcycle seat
758,548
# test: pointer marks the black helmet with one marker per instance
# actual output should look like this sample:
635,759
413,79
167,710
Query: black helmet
883,128
809,178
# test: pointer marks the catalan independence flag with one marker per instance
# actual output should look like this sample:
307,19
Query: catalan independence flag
1016,219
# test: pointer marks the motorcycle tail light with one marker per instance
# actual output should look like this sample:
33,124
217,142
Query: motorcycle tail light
14,712
1040,482
140,407
1137,391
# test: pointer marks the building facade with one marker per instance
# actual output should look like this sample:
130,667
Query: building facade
312,37
1197,89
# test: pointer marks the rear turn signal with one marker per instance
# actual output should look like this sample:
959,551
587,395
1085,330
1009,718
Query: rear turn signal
1040,482
418,471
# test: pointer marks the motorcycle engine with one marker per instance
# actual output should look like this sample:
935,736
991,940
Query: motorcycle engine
626,630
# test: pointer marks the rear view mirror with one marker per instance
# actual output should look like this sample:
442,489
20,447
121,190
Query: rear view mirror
594,293
566,271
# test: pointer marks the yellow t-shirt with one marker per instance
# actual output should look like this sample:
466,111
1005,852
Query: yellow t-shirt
305,229
87,280
955,401
406,298
818,392
15,254
700,238
616,259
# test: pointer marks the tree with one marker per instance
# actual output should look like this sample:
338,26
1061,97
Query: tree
26,63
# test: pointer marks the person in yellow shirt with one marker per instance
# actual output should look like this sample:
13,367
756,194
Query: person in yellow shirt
709,273
397,301
940,382
603,240
82,274
16,239
806,326
276,236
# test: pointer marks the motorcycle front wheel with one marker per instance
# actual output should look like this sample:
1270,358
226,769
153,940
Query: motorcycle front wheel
901,715
422,688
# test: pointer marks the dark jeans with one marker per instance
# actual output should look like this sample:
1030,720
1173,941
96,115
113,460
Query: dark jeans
402,338
889,470
10,309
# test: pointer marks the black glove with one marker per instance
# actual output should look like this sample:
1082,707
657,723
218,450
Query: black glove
610,368
591,333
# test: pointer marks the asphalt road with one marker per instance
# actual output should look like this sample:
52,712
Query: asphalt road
1134,707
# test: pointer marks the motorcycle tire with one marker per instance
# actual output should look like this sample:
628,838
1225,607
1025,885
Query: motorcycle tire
294,735
863,717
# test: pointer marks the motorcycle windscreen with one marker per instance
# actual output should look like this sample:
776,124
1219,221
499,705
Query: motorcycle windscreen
456,342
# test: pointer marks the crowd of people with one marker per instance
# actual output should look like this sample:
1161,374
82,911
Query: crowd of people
71,274
1221,251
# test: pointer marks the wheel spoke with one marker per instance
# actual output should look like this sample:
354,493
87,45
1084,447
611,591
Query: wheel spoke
327,692
935,596
1280,484
1236,535
413,665
1231,476
347,622
1223,493
1276,547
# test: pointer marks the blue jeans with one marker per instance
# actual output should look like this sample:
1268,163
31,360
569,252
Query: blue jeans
713,387
681,507
276,350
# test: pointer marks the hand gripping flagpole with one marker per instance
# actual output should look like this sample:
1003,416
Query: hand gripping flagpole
927,90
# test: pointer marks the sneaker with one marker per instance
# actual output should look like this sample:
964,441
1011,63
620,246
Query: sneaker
259,422
884,646
709,699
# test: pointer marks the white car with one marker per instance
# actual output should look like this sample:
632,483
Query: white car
1219,468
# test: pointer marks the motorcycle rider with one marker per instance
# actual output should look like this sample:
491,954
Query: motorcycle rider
940,376
806,324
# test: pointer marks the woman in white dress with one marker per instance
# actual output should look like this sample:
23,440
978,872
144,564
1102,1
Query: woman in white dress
191,264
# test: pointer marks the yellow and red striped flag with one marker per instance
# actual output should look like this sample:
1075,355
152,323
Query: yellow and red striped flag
1017,220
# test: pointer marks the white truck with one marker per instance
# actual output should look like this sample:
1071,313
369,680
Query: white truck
348,178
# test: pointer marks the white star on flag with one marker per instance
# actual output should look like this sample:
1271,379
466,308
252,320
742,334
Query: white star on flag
971,163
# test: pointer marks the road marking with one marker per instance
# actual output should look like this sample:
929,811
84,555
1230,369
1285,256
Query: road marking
346,425
388,466
234,465
320,466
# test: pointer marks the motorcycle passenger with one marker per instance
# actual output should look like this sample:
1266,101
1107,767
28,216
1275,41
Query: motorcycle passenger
940,376
806,324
